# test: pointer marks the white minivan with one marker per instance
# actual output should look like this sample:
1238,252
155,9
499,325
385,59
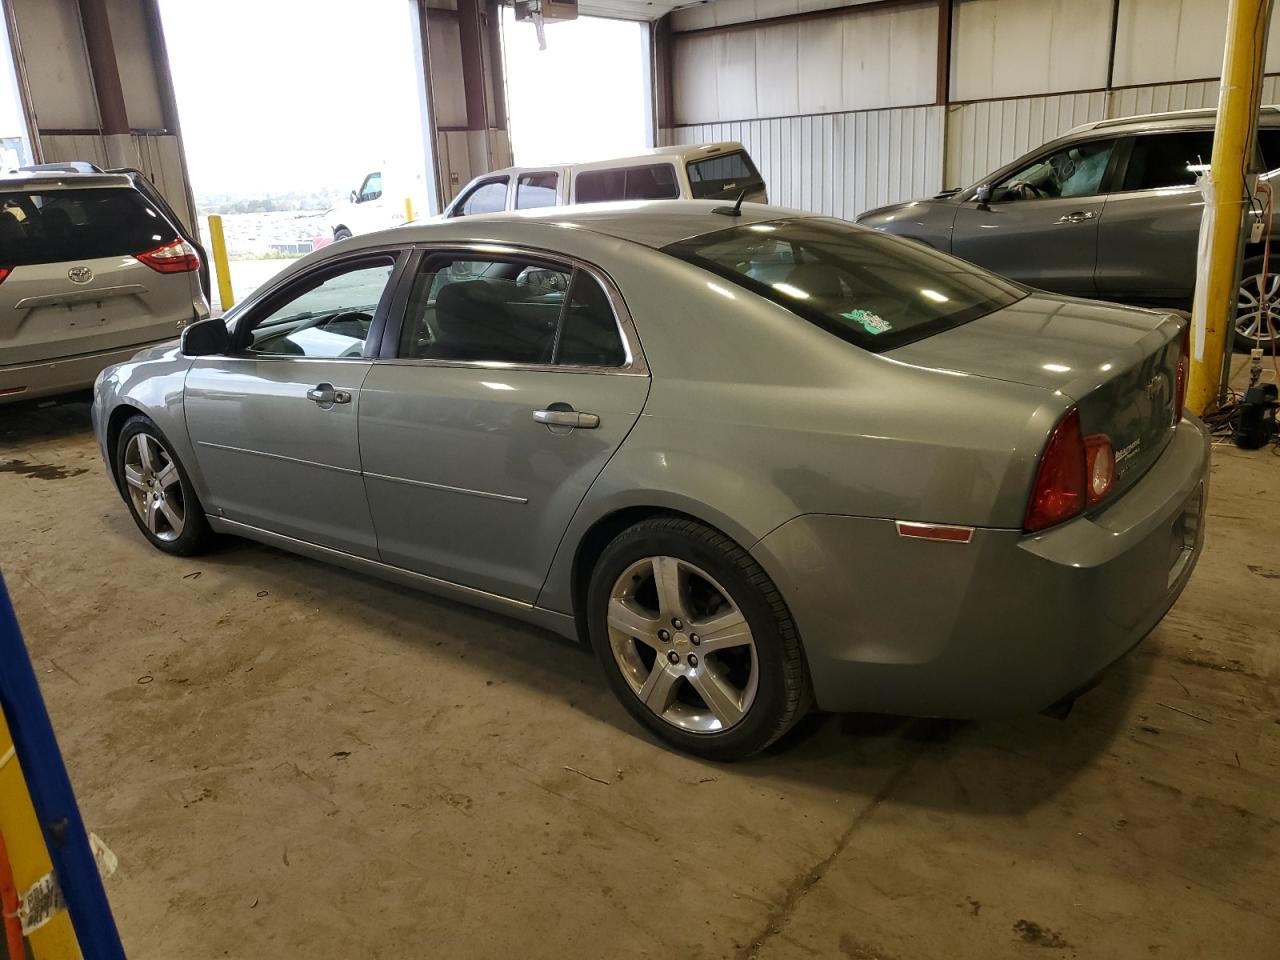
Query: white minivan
690,172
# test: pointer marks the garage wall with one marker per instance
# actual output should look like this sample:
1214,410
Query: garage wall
818,89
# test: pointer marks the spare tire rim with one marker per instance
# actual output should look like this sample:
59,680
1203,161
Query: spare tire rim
683,644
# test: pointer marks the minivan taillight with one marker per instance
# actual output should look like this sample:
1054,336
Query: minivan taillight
4,272
176,257
1184,373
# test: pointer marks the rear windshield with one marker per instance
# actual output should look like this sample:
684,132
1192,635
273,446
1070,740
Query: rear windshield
868,288
723,176
60,225
653,182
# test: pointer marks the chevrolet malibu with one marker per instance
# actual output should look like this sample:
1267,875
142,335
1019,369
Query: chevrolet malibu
760,460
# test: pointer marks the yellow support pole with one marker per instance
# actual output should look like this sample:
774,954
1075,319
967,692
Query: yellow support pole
219,243
408,209
28,856
1233,148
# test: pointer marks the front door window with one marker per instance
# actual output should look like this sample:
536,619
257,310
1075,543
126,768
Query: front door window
1075,171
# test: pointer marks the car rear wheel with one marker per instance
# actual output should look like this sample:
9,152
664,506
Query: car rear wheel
695,639
159,494
342,233
1254,295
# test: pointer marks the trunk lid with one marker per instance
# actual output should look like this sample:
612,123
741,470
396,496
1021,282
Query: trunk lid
1118,364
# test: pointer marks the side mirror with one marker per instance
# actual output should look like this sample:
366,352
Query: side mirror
208,338
354,198
983,194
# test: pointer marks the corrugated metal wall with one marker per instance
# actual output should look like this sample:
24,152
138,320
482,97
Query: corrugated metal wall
839,164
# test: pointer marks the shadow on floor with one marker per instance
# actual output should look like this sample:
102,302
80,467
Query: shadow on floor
33,421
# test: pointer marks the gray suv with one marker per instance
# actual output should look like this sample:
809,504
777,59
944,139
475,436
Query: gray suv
91,271
1110,210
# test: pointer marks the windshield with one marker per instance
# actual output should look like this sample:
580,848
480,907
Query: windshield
52,226
723,176
866,287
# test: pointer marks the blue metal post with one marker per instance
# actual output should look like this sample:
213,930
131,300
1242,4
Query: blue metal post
51,794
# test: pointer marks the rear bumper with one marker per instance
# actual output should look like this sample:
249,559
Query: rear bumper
1006,624
49,378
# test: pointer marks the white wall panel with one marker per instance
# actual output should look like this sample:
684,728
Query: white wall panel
1009,48
839,164
855,60
1158,41
56,65
446,71
982,136
133,57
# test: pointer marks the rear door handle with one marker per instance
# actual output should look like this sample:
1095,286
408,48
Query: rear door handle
1080,216
326,396
567,418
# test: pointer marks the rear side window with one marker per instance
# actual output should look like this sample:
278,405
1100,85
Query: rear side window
60,225
866,287
724,176
536,190
653,182
1162,160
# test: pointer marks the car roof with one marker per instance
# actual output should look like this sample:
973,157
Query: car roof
688,151
651,223
61,180
1196,117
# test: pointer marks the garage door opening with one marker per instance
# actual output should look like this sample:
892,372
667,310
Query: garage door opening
15,144
586,97
301,120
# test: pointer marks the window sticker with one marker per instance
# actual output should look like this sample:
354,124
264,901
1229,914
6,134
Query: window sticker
871,322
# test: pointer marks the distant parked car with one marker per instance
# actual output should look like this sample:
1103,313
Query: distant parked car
708,171
1110,210
757,459
92,269
378,203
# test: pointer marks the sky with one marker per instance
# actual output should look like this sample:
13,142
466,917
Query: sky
280,95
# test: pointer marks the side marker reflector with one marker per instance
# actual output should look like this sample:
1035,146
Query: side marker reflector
934,531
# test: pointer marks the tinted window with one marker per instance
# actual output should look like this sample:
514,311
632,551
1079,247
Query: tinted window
536,190
869,288
1168,159
723,176
78,225
489,197
1075,171
467,309
1269,144
372,188
654,182
589,336
328,319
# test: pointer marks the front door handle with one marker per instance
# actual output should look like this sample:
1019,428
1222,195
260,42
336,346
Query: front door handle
325,395
567,418
1080,216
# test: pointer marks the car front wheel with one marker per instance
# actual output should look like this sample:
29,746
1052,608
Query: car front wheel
695,639
161,499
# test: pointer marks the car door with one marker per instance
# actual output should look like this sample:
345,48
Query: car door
370,210
1039,225
1147,235
274,424
511,382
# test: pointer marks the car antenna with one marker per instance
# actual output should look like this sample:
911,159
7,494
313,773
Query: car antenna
735,210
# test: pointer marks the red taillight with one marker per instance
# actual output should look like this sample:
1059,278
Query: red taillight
1099,466
4,272
176,257
1184,372
1059,491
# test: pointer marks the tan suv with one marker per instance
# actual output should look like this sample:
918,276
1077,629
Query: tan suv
91,271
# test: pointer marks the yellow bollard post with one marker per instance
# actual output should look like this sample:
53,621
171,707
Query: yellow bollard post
221,267
1239,99
408,209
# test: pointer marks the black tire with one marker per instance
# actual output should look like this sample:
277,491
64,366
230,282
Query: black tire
342,233
782,688
1252,268
195,535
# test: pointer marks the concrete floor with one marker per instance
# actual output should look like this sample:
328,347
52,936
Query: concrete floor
292,760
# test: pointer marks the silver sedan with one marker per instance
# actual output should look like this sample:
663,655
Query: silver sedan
760,460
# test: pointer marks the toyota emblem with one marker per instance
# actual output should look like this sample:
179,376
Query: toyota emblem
80,274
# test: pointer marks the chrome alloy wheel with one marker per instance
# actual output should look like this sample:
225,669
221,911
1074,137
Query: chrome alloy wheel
682,644
155,490
1252,297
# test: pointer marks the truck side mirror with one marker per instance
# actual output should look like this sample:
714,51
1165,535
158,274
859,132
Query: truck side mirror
983,194
354,198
